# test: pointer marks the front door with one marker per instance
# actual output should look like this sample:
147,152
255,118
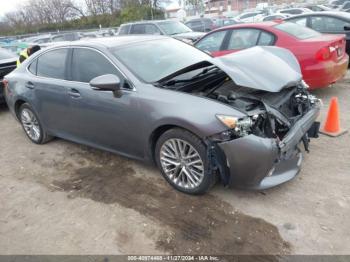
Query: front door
100,118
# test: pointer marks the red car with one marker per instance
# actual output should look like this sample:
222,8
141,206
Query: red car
322,57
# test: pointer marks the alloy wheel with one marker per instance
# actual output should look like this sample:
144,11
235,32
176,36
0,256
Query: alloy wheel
182,163
30,124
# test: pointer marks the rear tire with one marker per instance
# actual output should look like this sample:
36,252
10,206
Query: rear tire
183,161
31,125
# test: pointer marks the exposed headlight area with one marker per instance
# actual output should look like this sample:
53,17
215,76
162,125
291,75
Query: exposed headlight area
238,126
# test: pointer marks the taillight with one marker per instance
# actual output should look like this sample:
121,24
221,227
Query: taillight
323,54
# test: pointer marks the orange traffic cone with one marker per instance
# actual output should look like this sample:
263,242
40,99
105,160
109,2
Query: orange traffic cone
332,126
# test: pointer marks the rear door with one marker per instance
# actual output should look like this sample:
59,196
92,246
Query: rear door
48,82
213,42
242,38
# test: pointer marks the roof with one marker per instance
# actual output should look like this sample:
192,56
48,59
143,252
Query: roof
115,41
255,25
339,14
146,21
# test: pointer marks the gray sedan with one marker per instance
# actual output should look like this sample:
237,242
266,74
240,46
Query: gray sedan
239,118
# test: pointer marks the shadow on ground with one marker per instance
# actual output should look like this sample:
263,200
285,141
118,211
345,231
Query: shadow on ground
199,225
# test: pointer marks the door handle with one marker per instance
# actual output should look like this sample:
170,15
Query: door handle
74,93
29,85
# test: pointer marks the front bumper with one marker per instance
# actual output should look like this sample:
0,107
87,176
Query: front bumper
259,163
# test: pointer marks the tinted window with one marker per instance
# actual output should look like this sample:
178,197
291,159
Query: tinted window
154,60
208,22
243,38
32,67
248,15
272,17
212,42
266,39
124,30
58,38
300,21
196,23
88,64
173,27
325,23
292,11
297,31
52,64
145,29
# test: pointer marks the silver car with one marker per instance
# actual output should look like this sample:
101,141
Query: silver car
238,118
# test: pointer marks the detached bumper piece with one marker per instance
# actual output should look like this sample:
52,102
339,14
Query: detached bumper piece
259,163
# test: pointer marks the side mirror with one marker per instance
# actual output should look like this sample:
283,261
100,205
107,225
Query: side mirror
347,28
106,83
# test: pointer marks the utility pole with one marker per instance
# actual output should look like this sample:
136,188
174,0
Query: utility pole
152,9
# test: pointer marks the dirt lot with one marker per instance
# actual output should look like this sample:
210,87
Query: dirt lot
63,198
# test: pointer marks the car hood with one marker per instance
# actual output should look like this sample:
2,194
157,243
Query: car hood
264,68
189,35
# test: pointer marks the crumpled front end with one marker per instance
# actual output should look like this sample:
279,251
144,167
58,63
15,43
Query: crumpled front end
259,163
266,152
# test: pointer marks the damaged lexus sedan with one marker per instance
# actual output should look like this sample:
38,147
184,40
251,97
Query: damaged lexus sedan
239,118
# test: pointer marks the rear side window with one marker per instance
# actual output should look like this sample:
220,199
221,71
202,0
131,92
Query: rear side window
299,21
243,38
266,39
212,42
124,30
196,23
297,31
325,24
33,66
148,29
53,64
88,64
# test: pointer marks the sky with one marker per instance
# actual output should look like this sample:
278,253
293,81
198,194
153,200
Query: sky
9,5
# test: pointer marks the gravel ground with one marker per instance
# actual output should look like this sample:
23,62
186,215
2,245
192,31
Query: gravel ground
64,198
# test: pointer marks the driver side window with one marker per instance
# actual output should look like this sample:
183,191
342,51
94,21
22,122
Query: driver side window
212,42
88,64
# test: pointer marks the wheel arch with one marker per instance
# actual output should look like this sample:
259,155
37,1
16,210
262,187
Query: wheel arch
157,132
19,102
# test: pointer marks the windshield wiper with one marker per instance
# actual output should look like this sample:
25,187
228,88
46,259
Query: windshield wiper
204,72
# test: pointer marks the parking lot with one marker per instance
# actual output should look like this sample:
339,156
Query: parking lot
65,198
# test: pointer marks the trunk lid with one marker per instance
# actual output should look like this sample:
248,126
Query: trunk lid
332,45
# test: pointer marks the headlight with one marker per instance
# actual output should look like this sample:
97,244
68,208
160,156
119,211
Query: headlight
229,121
240,126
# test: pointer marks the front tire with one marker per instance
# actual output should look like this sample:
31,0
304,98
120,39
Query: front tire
31,125
182,158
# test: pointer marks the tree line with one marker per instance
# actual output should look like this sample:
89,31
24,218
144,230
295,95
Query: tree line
50,15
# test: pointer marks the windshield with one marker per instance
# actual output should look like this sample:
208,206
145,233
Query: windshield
298,31
173,27
153,60
4,54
